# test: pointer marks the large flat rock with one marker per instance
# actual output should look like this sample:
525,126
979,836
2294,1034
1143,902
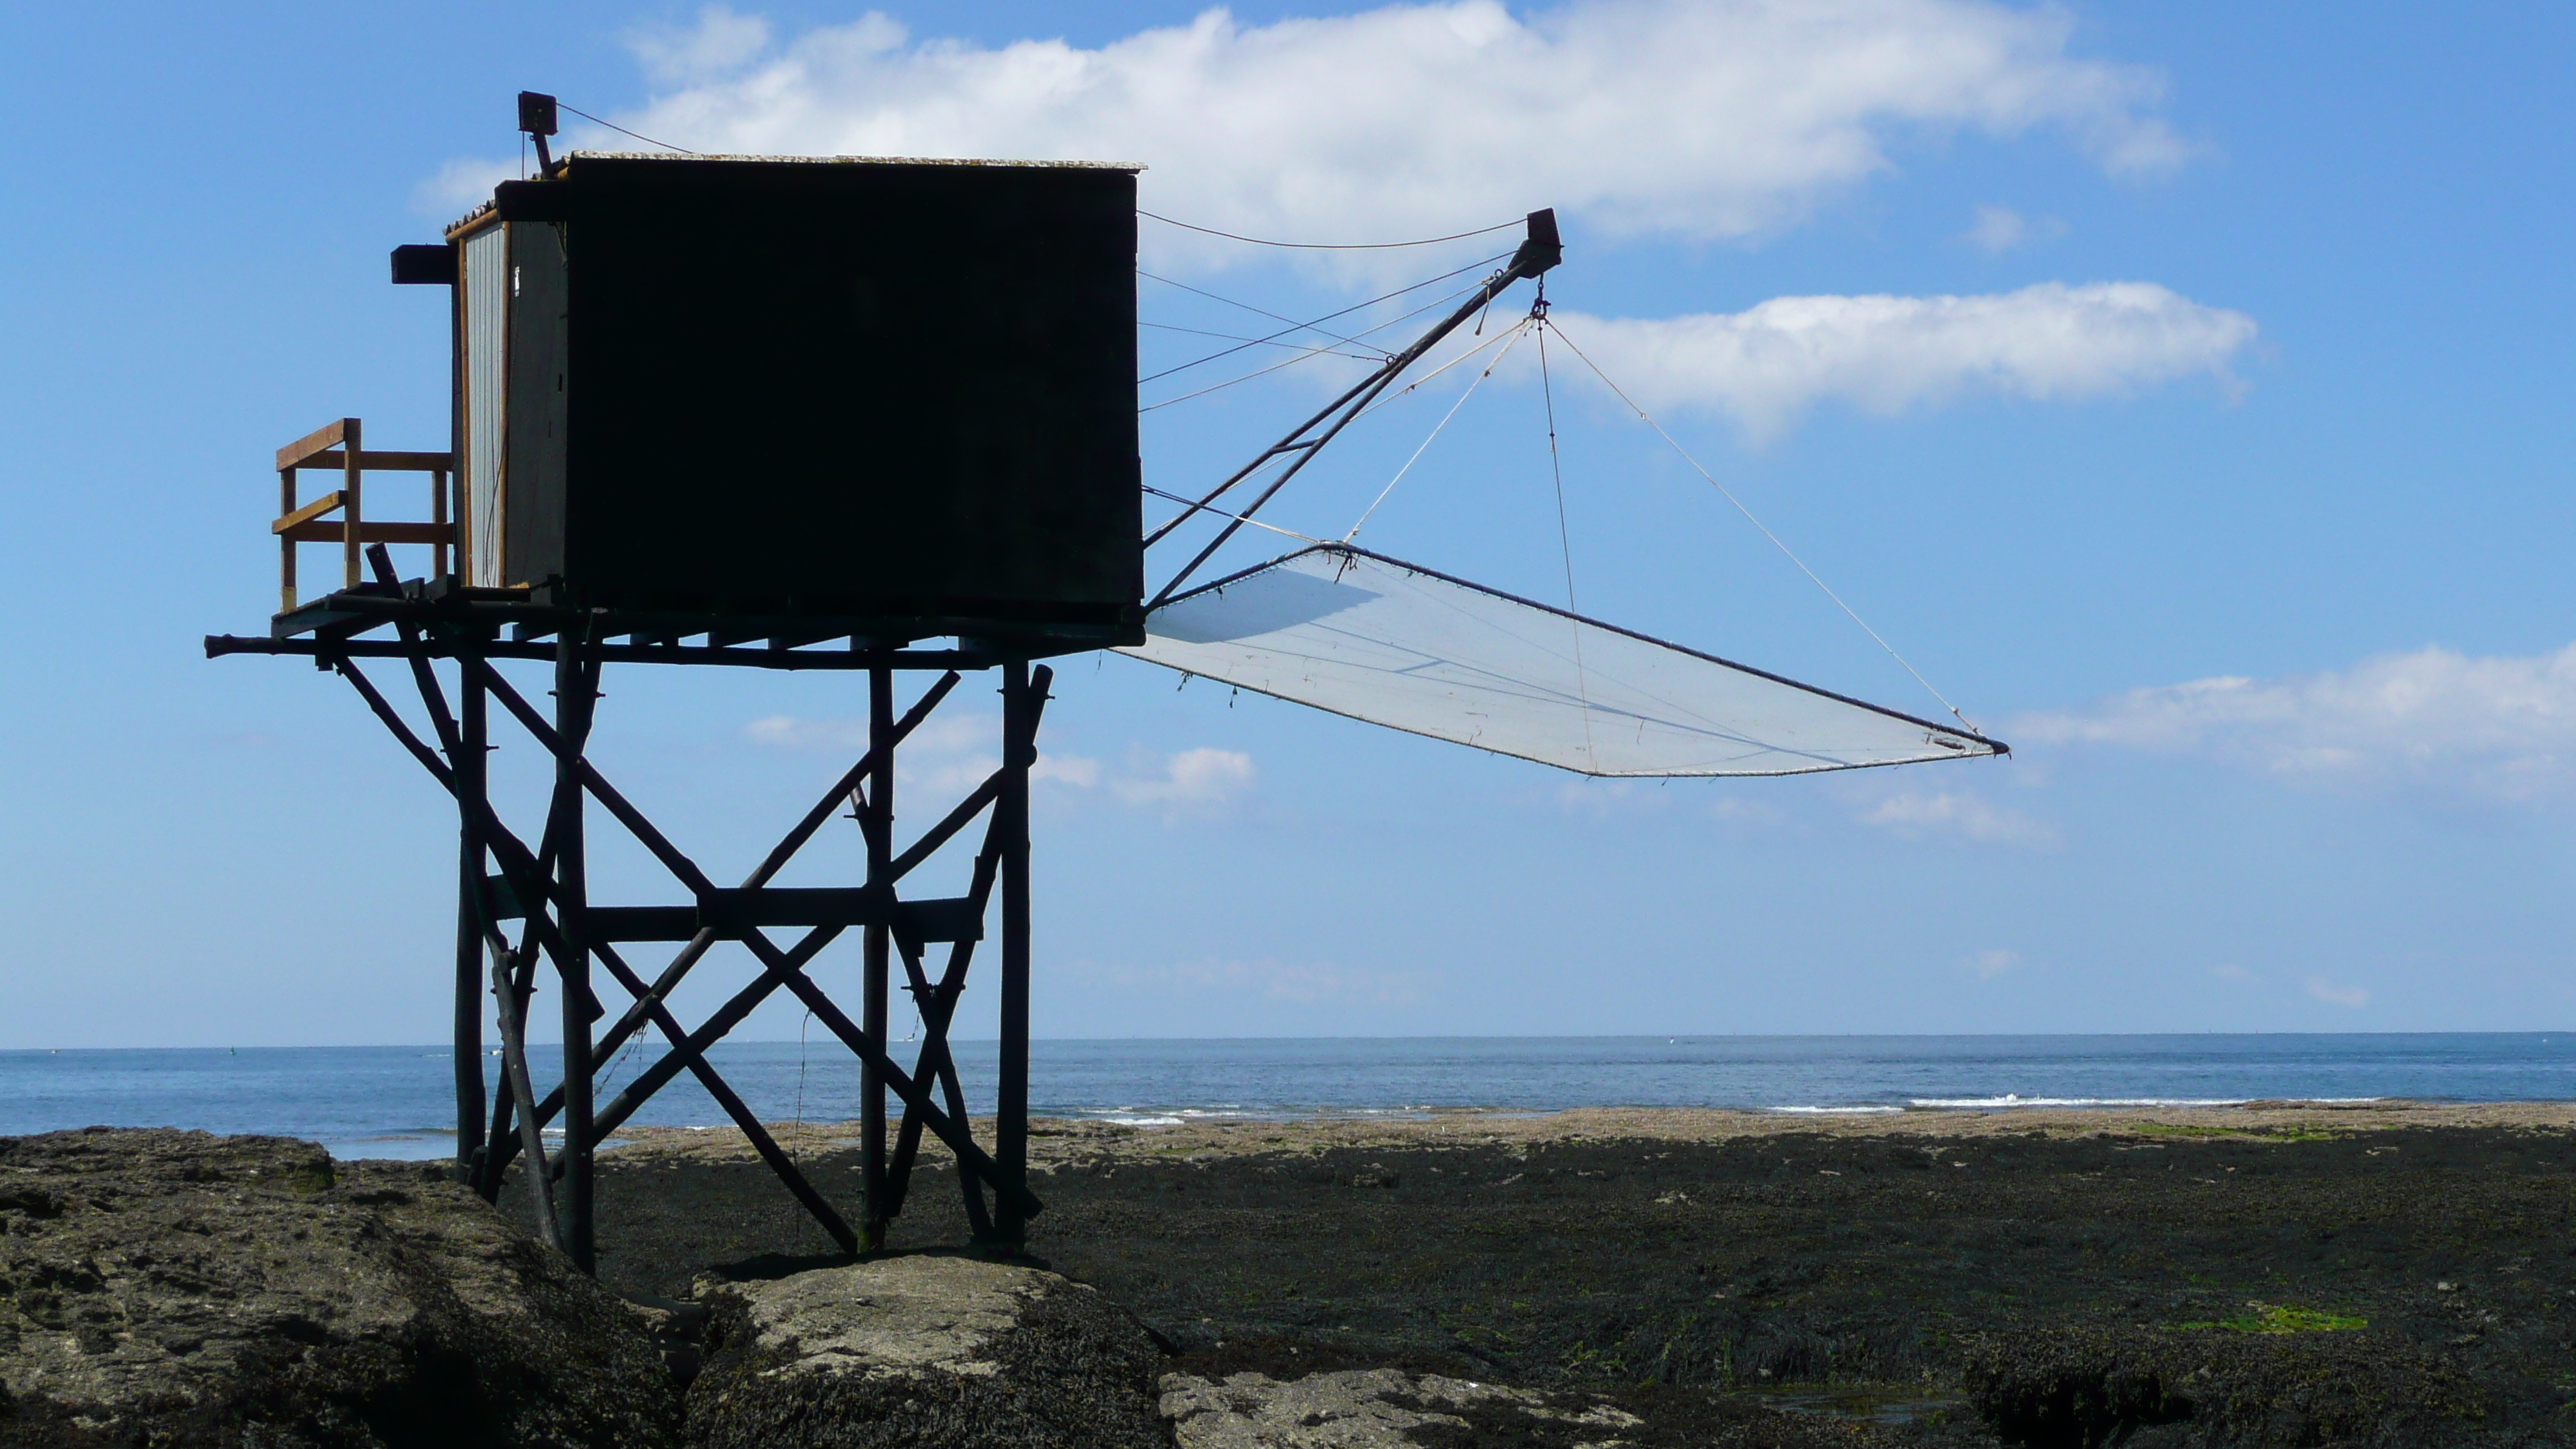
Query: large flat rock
177,1289
1393,1408
928,1352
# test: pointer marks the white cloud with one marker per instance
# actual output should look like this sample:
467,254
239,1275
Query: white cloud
1746,811
1203,778
943,753
1999,229
462,185
1672,116
2231,972
1966,816
788,732
1991,964
1888,354
2501,728
2350,997
1074,770
1306,984
1604,798
721,44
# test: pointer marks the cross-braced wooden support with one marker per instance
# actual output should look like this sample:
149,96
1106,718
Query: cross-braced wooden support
544,892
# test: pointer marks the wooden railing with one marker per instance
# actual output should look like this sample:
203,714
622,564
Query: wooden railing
337,448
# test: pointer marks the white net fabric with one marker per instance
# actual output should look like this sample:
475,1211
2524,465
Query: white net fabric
1365,636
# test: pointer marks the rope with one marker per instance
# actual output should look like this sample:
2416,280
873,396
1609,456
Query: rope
1270,341
1433,375
1293,324
621,130
1229,382
1508,339
1292,362
1237,517
1564,535
1307,246
798,1131
1785,552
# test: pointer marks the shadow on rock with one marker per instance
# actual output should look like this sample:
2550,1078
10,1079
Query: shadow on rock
2075,1388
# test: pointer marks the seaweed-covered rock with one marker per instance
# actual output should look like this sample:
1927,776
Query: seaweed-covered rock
2075,1387
178,1289
934,1351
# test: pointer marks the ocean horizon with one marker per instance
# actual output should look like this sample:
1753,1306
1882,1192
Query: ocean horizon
396,1101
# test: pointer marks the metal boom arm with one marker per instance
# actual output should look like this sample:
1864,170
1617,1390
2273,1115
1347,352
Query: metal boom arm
1540,251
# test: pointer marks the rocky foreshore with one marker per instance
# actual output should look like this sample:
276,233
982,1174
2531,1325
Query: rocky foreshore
2284,1276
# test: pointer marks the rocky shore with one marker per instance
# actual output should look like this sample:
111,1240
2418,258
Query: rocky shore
2280,1275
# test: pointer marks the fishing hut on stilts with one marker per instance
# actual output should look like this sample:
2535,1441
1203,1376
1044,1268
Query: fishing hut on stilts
880,418
867,418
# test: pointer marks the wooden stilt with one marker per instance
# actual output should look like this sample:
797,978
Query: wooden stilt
572,723
471,777
551,894
877,818
514,1061
1011,818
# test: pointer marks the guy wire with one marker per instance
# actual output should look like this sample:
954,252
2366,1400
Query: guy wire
1729,496
1509,341
1564,535
1308,246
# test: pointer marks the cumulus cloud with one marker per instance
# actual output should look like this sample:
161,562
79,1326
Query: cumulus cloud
1999,229
720,45
2352,998
1700,118
788,732
2501,728
1991,964
944,753
1962,815
953,754
1202,778
1890,354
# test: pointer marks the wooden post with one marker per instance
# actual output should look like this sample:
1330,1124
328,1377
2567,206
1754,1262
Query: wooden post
286,504
1011,820
470,778
438,515
880,841
572,724
350,472
514,1062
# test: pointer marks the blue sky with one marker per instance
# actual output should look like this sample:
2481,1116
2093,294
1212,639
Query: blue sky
2183,389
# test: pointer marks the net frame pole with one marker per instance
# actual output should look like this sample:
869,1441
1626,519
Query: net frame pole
1538,253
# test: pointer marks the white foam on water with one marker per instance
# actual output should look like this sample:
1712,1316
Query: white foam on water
2012,1099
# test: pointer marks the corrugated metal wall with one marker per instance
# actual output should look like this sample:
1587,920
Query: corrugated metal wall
487,315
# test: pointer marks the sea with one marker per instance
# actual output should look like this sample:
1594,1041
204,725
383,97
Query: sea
397,1101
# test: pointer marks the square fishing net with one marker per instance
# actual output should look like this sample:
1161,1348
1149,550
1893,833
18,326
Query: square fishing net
1368,637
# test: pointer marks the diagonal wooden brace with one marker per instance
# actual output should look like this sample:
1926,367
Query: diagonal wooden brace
772,959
